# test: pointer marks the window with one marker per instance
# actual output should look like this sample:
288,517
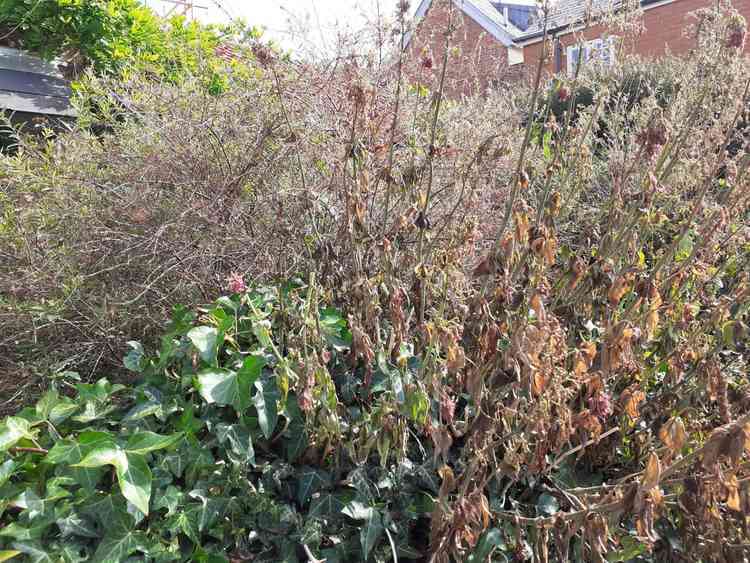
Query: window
598,51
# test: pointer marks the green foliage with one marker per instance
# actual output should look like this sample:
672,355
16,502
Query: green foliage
208,457
114,36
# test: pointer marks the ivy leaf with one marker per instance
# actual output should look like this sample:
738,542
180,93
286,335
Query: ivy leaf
13,430
18,532
358,510
310,482
169,499
62,410
219,386
74,525
146,442
297,442
370,533
133,360
206,340
35,552
204,514
109,511
265,403
492,539
246,378
48,401
326,505
115,548
240,442
7,469
133,474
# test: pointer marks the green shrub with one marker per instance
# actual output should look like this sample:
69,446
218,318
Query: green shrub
224,450
113,36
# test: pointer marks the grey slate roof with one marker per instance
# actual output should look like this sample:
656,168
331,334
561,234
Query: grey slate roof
568,12
563,13
30,85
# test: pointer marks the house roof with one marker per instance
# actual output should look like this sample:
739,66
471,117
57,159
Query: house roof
482,12
563,13
568,12
30,85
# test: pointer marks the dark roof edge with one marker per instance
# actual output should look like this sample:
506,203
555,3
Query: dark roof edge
537,34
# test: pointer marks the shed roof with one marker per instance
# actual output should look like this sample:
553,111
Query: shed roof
30,85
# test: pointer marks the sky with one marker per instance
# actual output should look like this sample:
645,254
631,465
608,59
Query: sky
281,18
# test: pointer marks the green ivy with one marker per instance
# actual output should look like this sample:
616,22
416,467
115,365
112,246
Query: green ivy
209,457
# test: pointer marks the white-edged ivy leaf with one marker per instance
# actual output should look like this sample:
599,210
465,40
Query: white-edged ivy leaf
36,552
14,429
109,512
47,402
309,482
133,360
169,499
133,474
143,410
247,375
74,525
206,512
240,442
70,452
206,341
8,554
145,442
357,510
115,548
64,408
23,533
370,533
7,469
326,505
219,386
265,403
98,392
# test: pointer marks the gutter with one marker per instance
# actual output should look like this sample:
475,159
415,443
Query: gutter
572,27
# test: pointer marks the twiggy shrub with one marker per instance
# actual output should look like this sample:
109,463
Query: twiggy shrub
553,325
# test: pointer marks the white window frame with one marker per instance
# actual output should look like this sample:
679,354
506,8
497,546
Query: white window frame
602,50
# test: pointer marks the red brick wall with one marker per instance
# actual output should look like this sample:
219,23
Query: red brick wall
664,26
476,59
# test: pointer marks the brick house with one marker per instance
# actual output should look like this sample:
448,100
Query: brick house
499,40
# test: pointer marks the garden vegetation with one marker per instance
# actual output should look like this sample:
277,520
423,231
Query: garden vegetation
331,313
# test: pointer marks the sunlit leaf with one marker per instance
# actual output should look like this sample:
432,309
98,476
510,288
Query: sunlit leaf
206,341
133,474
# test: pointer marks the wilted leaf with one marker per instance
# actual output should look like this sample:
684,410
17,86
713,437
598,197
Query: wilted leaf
652,472
673,435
